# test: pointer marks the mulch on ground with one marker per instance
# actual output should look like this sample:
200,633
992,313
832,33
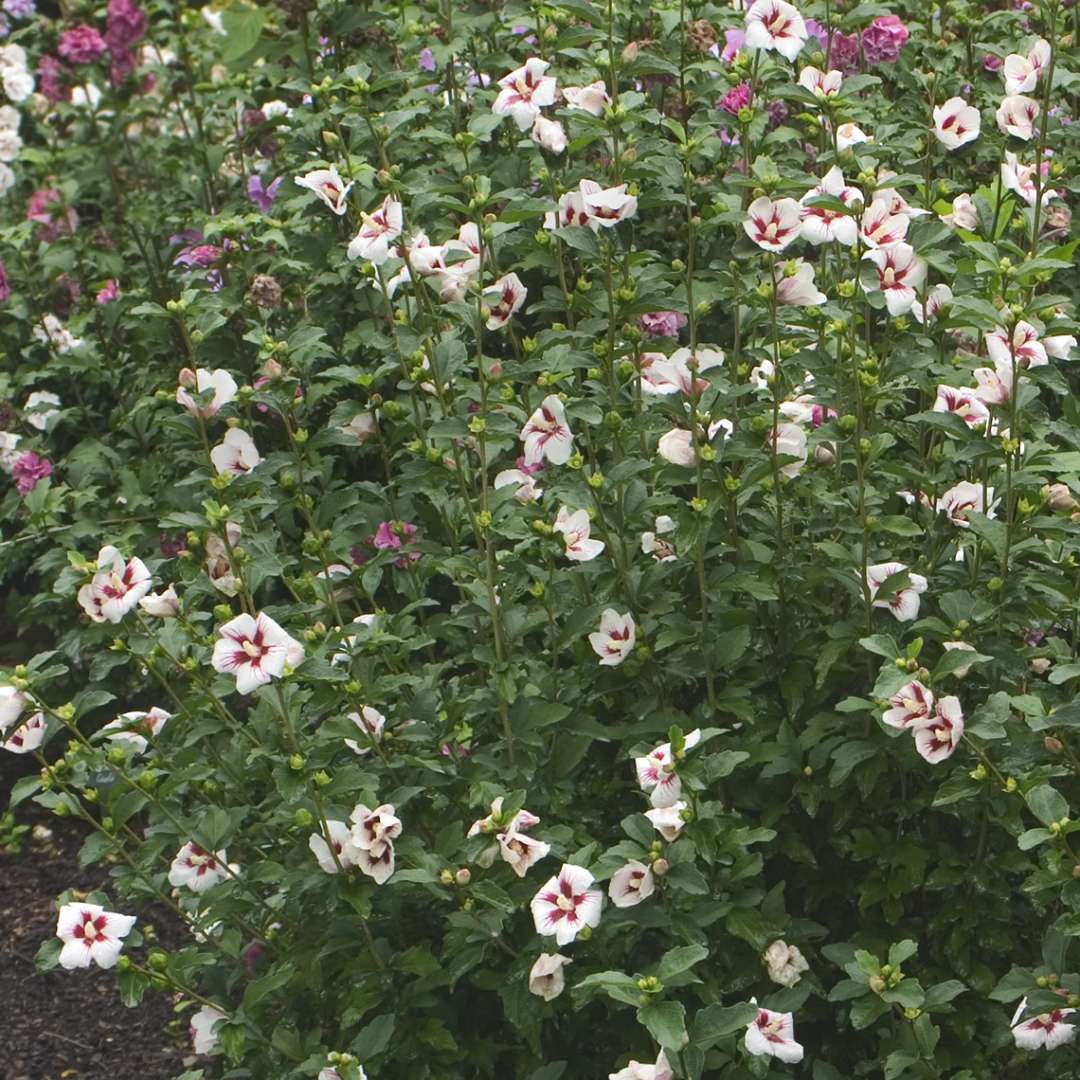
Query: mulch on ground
67,1025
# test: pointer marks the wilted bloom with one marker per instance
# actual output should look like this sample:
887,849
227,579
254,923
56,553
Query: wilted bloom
785,963
546,976
937,736
371,723
798,287
236,454
341,838
27,737
652,544
372,241
202,382
614,641
549,135
1016,116
81,45
1022,73
911,704
965,497
635,1070
201,1029
53,332
994,384
517,848
503,299
606,207
263,196
575,528
662,323
963,402
964,215
773,225
677,446
592,98
565,904
900,272
135,729
1023,347
656,771
524,92
905,603
883,39
820,83
821,224
328,185
547,435
91,935
527,491
789,440
256,650
679,372
668,821
927,308
631,884
27,469
849,135
956,123
196,869
361,427
774,24
116,588
772,1034
1046,1031
373,835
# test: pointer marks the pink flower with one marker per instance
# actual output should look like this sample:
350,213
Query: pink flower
636,1070
631,884
575,528
734,40
549,135
27,737
1024,347
614,641
197,869
392,535
773,225
1046,1031
662,323
904,604
81,45
883,39
592,99
775,24
373,835
957,123
28,469
738,97
116,587
546,976
201,1029
844,52
1016,116
50,72
236,455
911,704
125,25
377,230
256,650
963,402
203,382
1022,73
524,92
51,228
566,904
772,1034
109,292
135,729
992,63
899,272
546,434
937,736
328,185
91,935
821,224
656,772
797,286
503,299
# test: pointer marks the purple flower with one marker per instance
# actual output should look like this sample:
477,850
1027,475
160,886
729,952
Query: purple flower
992,63
109,292
81,45
883,39
427,60
778,113
392,536
733,42
28,469
5,286
125,25
123,64
738,97
20,9
49,73
662,323
171,546
819,414
262,197
844,52
815,29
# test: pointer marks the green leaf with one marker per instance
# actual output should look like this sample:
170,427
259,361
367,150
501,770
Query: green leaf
866,1010
1047,804
942,993
375,1037
680,959
881,645
901,951
666,1021
715,1021
243,24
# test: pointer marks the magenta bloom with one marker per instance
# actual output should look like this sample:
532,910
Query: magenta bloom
395,536
5,286
733,42
123,64
662,323
125,24
109,292
28,469
738,97
427,60
202,255
81,45
844,54
883,39
992,63
819,415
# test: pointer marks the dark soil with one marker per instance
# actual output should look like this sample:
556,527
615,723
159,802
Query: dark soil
67,1025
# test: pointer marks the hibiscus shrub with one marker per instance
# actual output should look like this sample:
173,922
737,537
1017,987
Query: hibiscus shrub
546,535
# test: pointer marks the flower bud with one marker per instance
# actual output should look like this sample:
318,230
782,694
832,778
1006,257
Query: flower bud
303,819
463,876
660,867
1059,497
296,762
